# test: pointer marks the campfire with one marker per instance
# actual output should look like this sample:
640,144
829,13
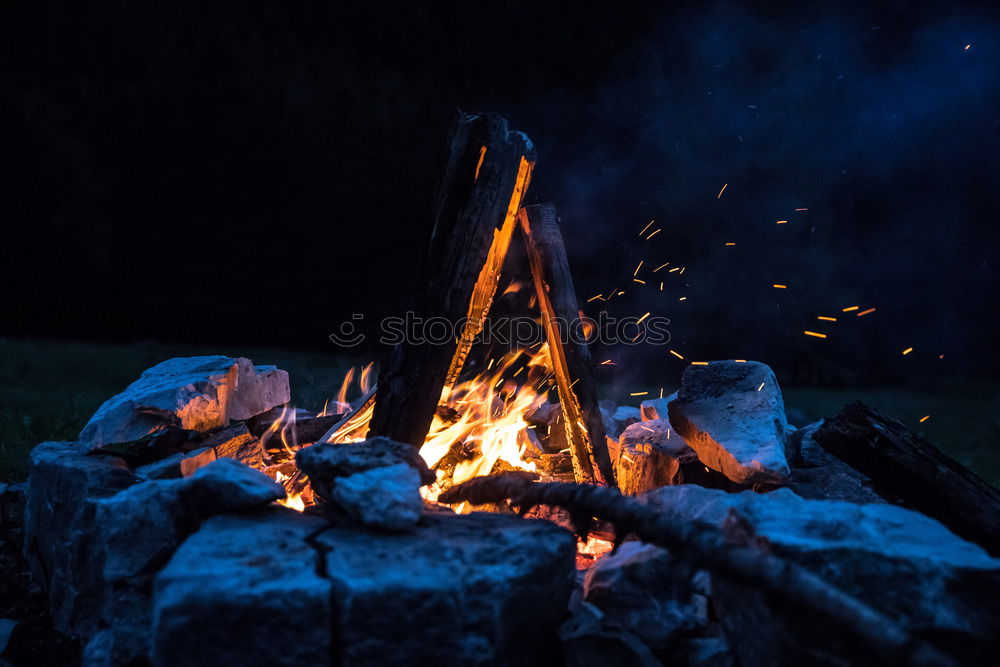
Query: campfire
485,424
479,506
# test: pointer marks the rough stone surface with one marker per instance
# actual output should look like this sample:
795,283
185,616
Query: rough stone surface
59,541
656,408
198,393
474,589
819,475
590,640
376,481
7,626
648,593
244,590
903,563
617,419
649,456
94,535
383,497
733,416
141,527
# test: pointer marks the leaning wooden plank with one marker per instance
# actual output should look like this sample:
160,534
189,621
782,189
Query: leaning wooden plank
487,173
571,361
900,463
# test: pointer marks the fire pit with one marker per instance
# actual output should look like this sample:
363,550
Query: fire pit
202,519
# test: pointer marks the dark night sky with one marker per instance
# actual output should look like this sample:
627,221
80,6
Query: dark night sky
253,175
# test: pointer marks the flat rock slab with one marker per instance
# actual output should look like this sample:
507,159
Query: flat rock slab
193,393
903,563
732,414
474,589
244,590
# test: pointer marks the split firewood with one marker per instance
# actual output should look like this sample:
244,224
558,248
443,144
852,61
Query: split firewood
708,547
571,362
902,464
487,173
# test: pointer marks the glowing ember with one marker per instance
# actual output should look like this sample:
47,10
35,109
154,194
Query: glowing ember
480,430
589,551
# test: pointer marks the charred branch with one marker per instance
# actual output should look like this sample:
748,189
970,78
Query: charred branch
903,465
707,547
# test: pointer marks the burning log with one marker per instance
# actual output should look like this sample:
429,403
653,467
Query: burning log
571,361
712,549
487,173
900,463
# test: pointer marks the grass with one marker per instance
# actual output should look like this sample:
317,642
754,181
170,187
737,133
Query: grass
48,391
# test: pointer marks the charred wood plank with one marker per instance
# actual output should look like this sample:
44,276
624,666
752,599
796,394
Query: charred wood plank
900,463
488,170
571,360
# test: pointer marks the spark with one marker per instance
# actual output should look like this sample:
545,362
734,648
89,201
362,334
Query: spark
907,351
924,418
641,282
660,266
740,361
643,318
781,222
683,269
607,362
814,334
719,196
760,387
730,243
699,363
683,298
779,286
801,209
479,165
826,319
639,393
595,298
849,309
636,272
676,354
661,285
660,229
967,47
866,312
676,268
646,227
940,356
